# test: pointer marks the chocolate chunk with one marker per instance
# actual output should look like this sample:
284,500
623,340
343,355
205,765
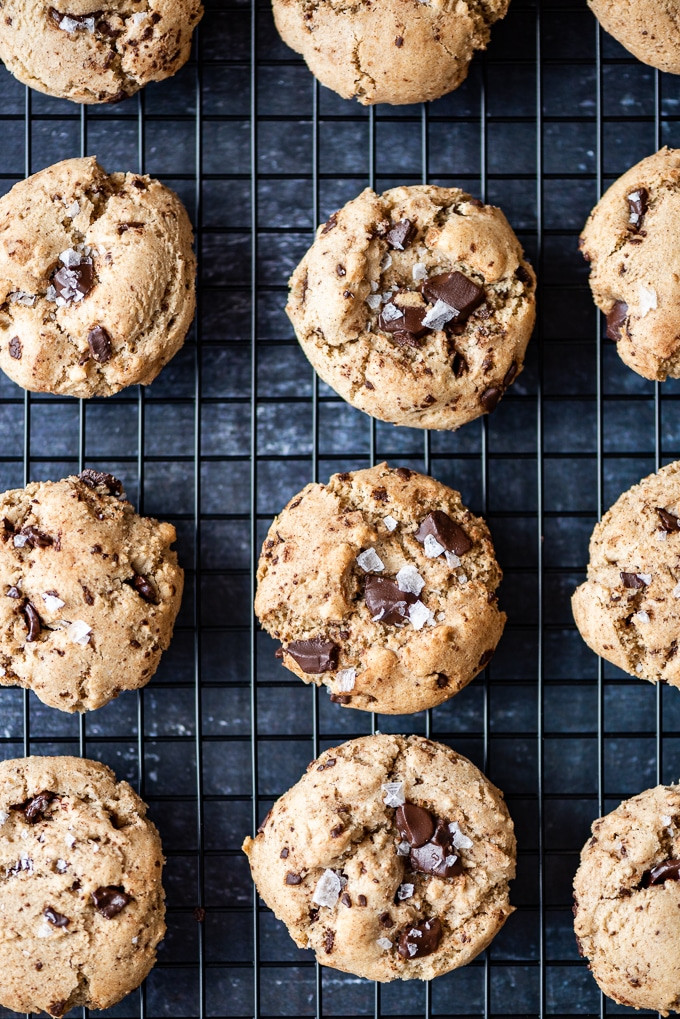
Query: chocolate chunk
386,920
15,348
99,343
420,939
386,601
669,870
669,522
59,16
442,680
73,283
124,227
284,853
410,319
145,589
110,900
447,532
437,856
401,235
345,900
404,339
293,879
486,658
13,592
415,824
399,41
34,809
362,900
522,274
97,479
616,319
330,763
56,919
459,365
337,831
510,375
490,398
33,623
36,538
632,580
58,1008
404,473
315,655
264,822
638,202
456,290
328,942
340,698
340,270
331,222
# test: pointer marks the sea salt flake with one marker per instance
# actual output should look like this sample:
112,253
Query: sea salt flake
370,561
62,866
642,616
374,301
452,559
20,540
390,523
412,949
4,816
394,794
376,619
43,931
386,262
676,591
666,820
135,940
3,670
70,258
384,943
431,547
391,313
419,271
463,578
21,297
450,860
328,888
439,315
648,300
405,891
638,667
409,580
79,632
73,210
415,933
69,840
459,840
344,680
403,849
52,603
419,614
662,536
646,578
138,18
50,293
69,25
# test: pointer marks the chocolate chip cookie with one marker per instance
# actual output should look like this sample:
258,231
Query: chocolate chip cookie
89,591
627,901
634,271
75,49
390,859
416,306
399,51
628,610
96,279
81,896
381,585
650,31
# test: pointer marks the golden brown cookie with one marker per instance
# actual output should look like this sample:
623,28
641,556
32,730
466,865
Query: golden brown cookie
390,859
381,585
416,306
81,897
650,31
96,279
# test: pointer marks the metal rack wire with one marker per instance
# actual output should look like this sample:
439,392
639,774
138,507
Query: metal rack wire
237,423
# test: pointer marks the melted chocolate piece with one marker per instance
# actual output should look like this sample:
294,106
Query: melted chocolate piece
401,235
145,589
36,538
33,623
490,398
616,319
385,600
447,532
73,283
420,939
410,320
437,857
456,290
34,809
110,900
293,879
314,656
669,870
15,348
97,479
638,202
56,919
669,522
415,824
99,343
632,580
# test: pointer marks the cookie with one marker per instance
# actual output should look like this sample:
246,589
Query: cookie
78,51
400,51
628,610
627,901
629,240
416,306
650,31
390,859
81,896
381,585
89,591
96,279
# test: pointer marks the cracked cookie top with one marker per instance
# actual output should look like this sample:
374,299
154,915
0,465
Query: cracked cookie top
629,240
81,895
416,306
381,585
81,50
627,898
96,279
390,859
89,591
628,610
648,30
397,51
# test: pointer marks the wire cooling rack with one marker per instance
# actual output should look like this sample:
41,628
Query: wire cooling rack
237,423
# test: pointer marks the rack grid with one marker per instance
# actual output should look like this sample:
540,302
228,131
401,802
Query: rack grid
237,423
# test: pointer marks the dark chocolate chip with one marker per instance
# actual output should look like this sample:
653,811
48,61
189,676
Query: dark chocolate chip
632,580
399,41
13,592
337,831
447,532
510,375
616,319
124,227
15,348
99,343
410,319
340,698
110,900
415,824
401,235
442,680
420,939
33,623
486,658
459,365
264,822
404,473
34,809
144,587
56,919
340,270
330,763
522,274
490,398
362,900
386,920
331,222
293,879
669,522
72,283
638,202
328,942
456,290
97,479
36,538
57,1008
434,856
284,853
314,656
669,870
405,339
386,601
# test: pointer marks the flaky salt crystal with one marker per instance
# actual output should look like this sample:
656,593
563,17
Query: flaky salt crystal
138,18
666,820
405,891
374,301
43,931
62,866
370,561
648,300
463,578
419,271
394,794
50,293
344,680
459,840
415,933
4,816
438,316
452,559
384,943
676,591
638,667
20,540
70,258
73,210
431,547
642,616
403,849
69,840
391,313
419,614
409,580
390,523
386,262
79,632
52,603
3,670
450,860
646,578
328,888
22,297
